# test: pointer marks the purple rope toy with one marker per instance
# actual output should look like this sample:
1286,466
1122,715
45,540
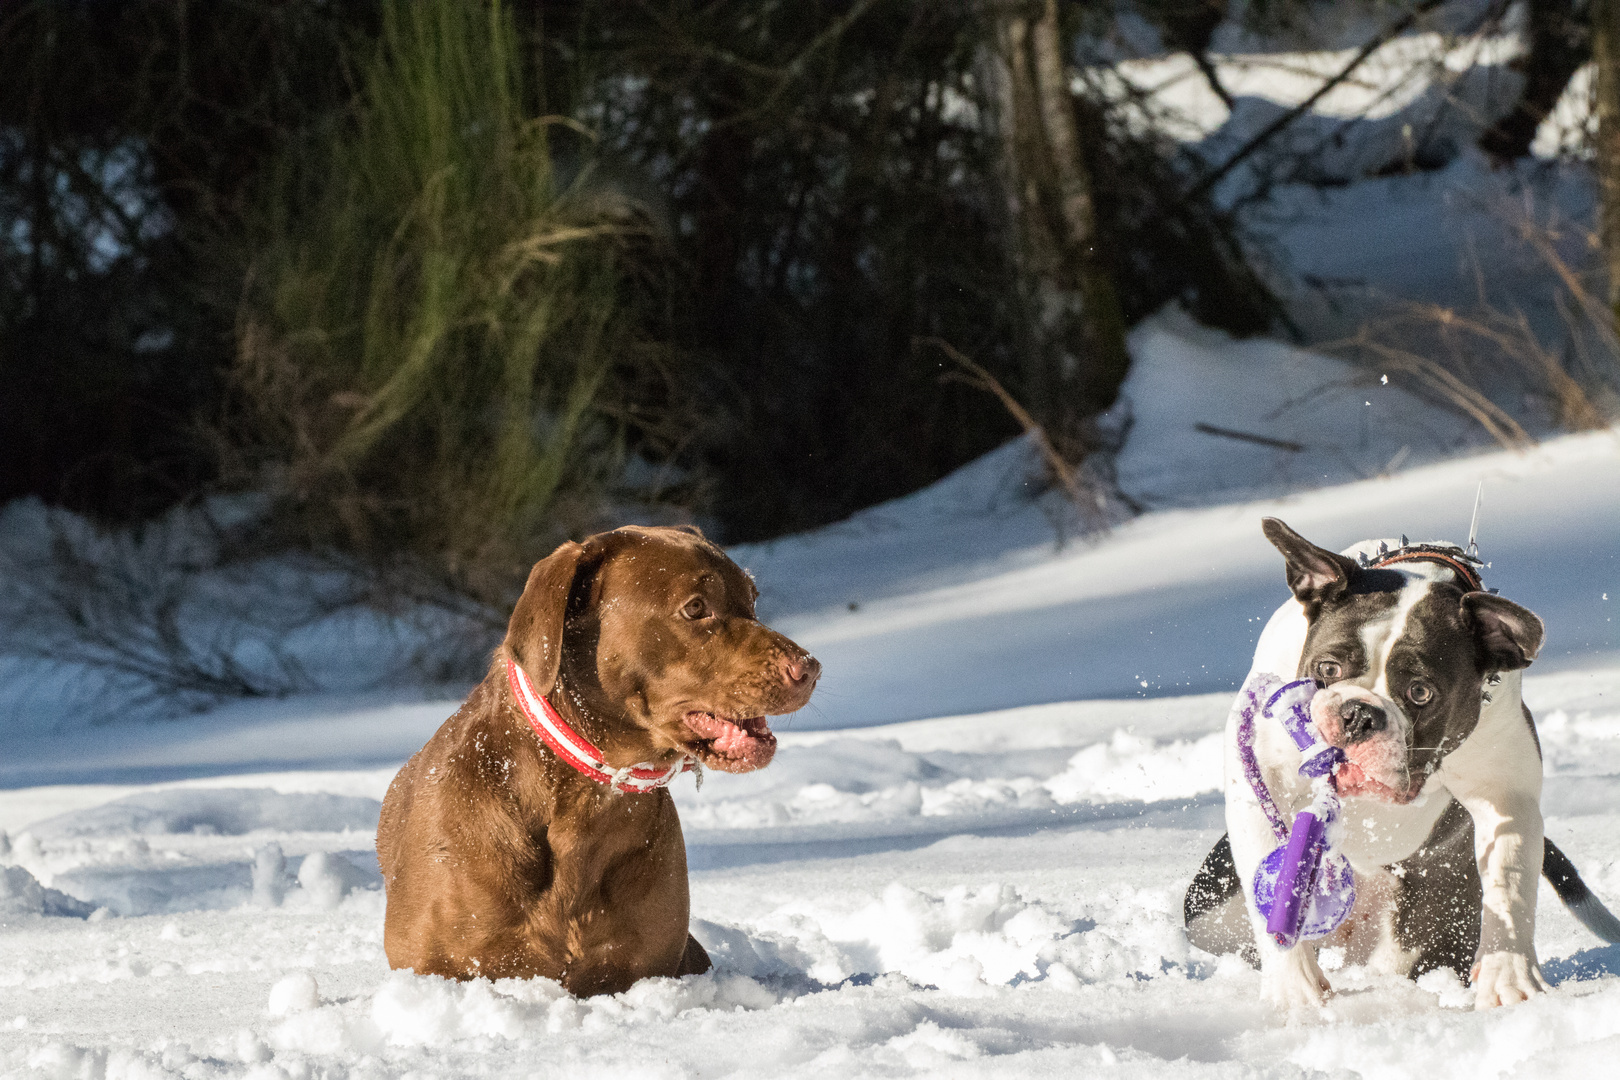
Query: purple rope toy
1304,888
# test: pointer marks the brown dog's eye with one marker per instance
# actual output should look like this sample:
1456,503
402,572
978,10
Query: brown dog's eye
696,608
1329,670
1420,693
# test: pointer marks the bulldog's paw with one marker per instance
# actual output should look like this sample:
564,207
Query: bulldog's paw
1294,983
1505,978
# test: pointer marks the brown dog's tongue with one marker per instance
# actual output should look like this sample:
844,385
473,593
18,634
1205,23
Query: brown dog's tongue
749,743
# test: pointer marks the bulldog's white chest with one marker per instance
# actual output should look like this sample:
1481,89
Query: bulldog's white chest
1377,834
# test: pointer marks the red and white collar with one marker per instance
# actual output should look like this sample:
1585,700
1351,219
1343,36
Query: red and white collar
579,752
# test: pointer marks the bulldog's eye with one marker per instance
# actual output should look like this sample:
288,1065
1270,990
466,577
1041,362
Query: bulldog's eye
1420,693
1329,670
696,608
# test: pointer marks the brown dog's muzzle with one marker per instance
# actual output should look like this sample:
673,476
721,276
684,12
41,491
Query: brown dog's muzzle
731,742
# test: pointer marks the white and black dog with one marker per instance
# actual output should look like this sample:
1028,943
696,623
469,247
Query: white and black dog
1420,673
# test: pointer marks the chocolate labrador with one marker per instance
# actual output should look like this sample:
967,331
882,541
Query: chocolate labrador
533,834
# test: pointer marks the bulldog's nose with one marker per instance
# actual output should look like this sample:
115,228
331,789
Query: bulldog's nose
1362,720
797,671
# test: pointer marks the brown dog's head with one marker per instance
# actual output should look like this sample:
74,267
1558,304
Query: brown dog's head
1402,653
649,636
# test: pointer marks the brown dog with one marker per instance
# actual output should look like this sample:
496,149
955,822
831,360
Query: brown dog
500,857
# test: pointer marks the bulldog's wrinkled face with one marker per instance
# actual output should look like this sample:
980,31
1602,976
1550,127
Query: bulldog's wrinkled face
660,645
1402,655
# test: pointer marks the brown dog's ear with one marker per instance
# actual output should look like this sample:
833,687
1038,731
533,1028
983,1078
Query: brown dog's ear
534,635
1315,574
1506,636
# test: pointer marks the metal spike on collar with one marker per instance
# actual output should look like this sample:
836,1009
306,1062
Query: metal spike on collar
1473,524
1383,548
1362,556
1404,541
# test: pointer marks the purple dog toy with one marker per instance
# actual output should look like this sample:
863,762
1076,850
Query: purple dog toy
1304,888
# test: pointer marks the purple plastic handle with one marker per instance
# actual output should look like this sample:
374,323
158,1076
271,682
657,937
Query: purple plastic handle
1303,889
1296,878
1296,719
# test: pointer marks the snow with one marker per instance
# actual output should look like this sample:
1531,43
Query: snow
968,860
1413,71
1172,602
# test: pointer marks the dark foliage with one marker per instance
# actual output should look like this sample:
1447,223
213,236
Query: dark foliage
130,131
832,177
824,176
832,199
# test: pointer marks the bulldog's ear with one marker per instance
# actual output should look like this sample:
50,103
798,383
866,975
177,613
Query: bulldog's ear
534,635
1315,574
1506,636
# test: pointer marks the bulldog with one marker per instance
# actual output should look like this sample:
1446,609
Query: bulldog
1417,672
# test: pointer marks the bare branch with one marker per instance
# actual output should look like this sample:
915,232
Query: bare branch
1266,134
978,377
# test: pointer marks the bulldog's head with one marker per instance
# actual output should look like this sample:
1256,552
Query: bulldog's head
1403,654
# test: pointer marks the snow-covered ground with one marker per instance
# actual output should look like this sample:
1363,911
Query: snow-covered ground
968,895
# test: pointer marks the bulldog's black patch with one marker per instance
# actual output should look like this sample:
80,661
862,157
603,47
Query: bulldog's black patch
1213,910
1363,582
1438,907
1335,635
1436,673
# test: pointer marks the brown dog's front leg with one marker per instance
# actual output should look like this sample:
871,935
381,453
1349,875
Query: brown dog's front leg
694,961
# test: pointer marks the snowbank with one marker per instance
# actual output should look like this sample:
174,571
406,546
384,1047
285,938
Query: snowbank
987,944
993,889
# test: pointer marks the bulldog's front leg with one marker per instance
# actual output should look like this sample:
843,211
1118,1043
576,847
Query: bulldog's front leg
1290,979
1508,847
1496,775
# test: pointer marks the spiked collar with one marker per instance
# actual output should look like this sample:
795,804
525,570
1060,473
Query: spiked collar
1465,566
580,752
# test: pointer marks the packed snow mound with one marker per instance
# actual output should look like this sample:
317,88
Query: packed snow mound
963,940
867,778
1216,418
138,880
22,894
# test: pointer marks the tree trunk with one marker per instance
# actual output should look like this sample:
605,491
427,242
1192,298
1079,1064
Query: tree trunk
1560,42
1078,359
1606,51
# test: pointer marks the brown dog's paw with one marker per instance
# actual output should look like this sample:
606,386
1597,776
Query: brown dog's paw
695,960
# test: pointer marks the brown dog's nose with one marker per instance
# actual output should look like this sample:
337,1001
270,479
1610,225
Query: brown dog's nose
1362,720
800,670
